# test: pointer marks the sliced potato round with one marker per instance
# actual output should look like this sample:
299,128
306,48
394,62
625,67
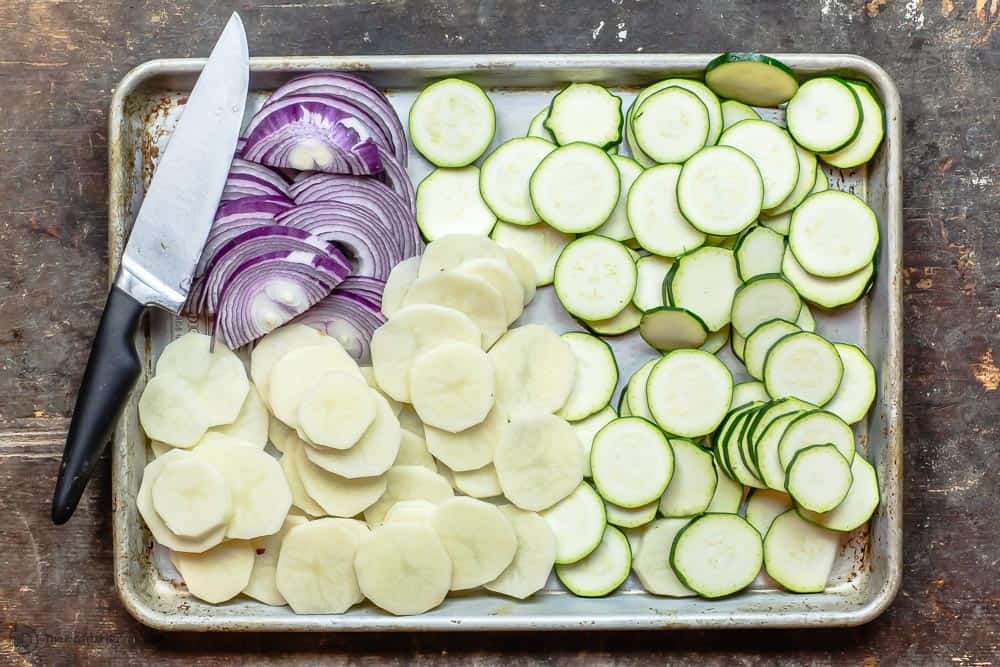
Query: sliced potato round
337,410
369,374
300,497
525,272
408,334
502,278
217,377
410,510
273,346
539,461
159,529
479,483
478,538
295,373
471,295
192,497
535,556
413,452
251,424
260,493
398,284
652,561
469,449
403,568
278,433
450,251
372,455
408,483
315,570
218,574
170,412
338,496
262,586
535,369
451,386
409,420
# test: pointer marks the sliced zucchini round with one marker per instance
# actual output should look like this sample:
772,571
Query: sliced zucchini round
777,223
651,567
689,392
720,189
536,128
774,409
833,234
449,202
799,555
804,366
578,523
827,292
728,494
622,323
630,517
671,125
738,344
824,115
617,226
668,328
631,462
705,282
758,252
857,507
862,148
764,506
773,151
595,277
587,428
704,93
651,271
717,555
452,122
635,391
760,341
596,376
585,112
857,388
761,299
654,215
692,486
815,427
818,478
748,392
805,320
575,188
752,78
733,112
603,570
505,176
803,186
768,461
716,340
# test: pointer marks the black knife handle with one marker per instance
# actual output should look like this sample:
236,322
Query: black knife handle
111,372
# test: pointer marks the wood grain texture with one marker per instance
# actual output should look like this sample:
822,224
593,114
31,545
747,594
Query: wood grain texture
59,62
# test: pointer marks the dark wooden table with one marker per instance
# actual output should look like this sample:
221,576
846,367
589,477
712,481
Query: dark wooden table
59,62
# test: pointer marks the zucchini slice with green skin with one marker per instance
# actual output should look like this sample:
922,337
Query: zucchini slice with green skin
630,517
585,112
622,323
804,184
595,379
735,452
705,281
824,115
636,391
775,409
631,462
449,202
759,343
818,478
587,428
748,392
862,148
728,494
764,506
539,244
617,225
716,340
761,299
655,217
722,434
812,427
717,555
827,292
733,112
805,366
575,188
692,486
805,320
452,122
704,93
504,178
595,278
766,451
833,234
623,408
759,252
751,78
857,388
799,555
857,507
536,128
773,151
671,125
738,344
779,222
689,392
651,271
578,522
668,328
651,567
720,189
602,571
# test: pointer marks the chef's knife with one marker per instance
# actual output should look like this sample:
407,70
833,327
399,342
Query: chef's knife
161,254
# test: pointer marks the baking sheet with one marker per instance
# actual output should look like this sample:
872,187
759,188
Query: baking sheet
867,571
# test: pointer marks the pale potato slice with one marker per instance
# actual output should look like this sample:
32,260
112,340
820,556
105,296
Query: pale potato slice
300,497
654,570
251,423
535,369
337,410
159,448
218,574
479,483
539,461
470,449
534,559
170,411
296,372
266,549
273,346
339,496
192,497
452,250
475,297
372,455
278,433
409,420
525,272
218,377
451,386
161,533
369,375
410,510
261,495
215,436
501,277
478,538
403,568
315,570
413,452
409,333
398,284
408,483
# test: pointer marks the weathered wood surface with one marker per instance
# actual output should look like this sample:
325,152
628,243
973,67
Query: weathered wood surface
59,61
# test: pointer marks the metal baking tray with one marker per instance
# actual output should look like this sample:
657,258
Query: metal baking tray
867,573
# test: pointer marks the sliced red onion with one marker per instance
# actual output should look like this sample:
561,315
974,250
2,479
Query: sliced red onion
394,175
250,185
354,88
272,176
269,290
313,132
365,287
349,318
268,205
240,143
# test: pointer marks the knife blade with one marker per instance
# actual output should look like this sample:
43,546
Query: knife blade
161,254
